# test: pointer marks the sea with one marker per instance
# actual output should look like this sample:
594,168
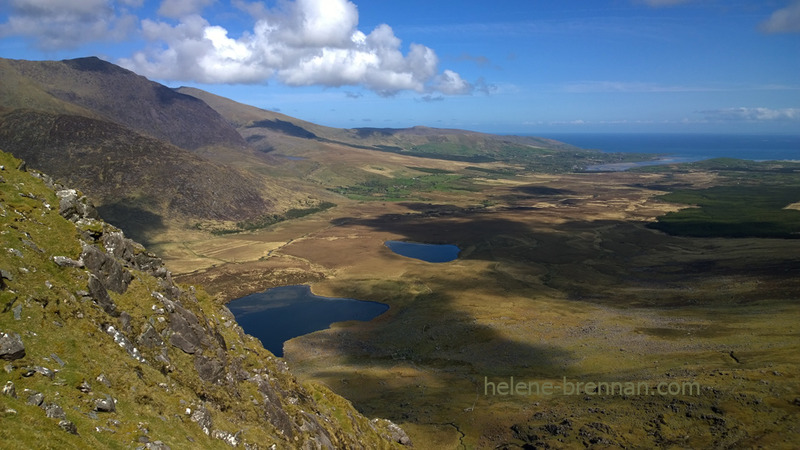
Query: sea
687,147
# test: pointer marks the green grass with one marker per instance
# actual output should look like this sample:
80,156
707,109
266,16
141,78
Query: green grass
404,188
734,211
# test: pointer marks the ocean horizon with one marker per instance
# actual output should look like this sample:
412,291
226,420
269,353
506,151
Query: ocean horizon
689,146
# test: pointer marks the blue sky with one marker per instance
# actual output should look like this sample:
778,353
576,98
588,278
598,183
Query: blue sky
508,66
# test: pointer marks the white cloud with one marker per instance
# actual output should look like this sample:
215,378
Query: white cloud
60,24
785,20
752,114
451,83
182,8
300,43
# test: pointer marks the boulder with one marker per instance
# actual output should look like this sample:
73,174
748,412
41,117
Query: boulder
63,261
187,333
11,346
100,296
35,398
73,206
149,338
68,426
54,411
106,268
118,246
9,389
105,405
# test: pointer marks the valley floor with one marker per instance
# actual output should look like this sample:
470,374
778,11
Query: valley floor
560,281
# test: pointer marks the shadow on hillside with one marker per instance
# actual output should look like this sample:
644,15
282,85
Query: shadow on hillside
603,261
137,223
428,354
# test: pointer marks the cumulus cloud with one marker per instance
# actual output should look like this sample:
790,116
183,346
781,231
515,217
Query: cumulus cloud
63,24
752,114
785,20
299,43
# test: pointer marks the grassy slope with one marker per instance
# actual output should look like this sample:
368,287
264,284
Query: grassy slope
59,325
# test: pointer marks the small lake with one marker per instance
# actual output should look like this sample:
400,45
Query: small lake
435,253
282,313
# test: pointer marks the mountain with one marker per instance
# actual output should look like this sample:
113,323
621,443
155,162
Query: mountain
132,176
102,349
154,158
137,148
119,95
267,130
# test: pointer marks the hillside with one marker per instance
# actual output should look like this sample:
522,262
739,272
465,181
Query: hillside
269,131
137,181
121,96
103,350
150,158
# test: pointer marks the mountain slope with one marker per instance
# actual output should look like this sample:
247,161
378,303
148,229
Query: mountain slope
271,131
121,96
103,350
141,151
137,180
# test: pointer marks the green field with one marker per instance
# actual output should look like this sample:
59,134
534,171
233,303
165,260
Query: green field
734,211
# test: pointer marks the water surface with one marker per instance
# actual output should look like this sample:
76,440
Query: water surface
282,313
435,253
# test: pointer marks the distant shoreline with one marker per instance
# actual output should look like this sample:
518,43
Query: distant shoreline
689,146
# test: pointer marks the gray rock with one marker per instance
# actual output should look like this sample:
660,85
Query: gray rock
105,405
202,417
85,387
54,411
156,445
5,275
11,346
187,333
9,389
32,245
231,439
123,342
104,380
396,434
73,206
17,312
68,203
149,262
107,269
209,369
68,426
63,261
118,246
319,436
35,398
150,338
44,371
99,294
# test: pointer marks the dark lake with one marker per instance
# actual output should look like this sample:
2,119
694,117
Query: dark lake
435,253
282,313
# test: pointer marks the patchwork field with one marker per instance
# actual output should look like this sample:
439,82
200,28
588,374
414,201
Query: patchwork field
561,280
